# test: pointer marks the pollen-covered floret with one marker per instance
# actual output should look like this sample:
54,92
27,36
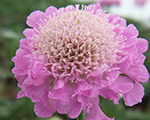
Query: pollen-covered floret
73,42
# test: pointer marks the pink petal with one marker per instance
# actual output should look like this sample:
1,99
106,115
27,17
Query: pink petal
75,108
122,22
35,19
118,30
142,45
123,80
21,79
37,73
132,52
108,93
116,20
123,85
130,31
24,45
63,109
137,73
20,94
91,92
135,95
111,75
70,8
59,84
95,112
44,111
50,11
21,65
131,41
37,93
97,73
122,88
139,60
61,94
93,7
144,76
85,103
102,83
28,32
133,72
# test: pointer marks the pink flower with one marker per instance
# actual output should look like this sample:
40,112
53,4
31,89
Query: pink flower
140,2
69,57
109,2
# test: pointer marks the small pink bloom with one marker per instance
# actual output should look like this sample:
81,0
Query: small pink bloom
140,2
109,2
70,56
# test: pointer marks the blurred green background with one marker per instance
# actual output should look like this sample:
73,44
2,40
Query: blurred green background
13,15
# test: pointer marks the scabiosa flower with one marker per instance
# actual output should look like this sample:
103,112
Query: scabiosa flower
71,56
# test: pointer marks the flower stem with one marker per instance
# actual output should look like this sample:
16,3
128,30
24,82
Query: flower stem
81,116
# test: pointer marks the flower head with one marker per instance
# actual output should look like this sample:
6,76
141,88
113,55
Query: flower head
71,56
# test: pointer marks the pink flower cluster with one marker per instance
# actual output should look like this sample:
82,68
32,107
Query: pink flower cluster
70,56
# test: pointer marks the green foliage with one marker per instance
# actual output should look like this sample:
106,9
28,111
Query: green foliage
12,109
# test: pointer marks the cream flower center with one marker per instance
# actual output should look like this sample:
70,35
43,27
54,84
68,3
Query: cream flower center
77,40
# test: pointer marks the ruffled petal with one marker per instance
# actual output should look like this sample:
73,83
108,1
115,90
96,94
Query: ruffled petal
44,111
122,88
91,92
50,11
75,108
122,85
70,8
61,94
123,80
59,84
139,60
144,75
137,73
20,94
108,93
97,73
95,112
21,63
111,75
37,73
135,95
28,32
131,41
142,45
37,93
93,7
130,31
35,19
21,79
